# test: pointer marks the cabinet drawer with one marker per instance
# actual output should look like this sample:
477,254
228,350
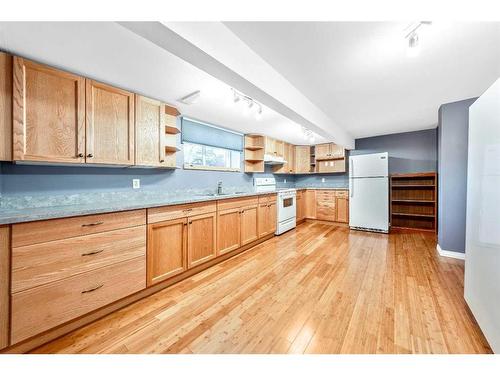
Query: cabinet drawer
325,211
342,193
39,309
325,195
39,264
227,204
57,229
267,198
158,214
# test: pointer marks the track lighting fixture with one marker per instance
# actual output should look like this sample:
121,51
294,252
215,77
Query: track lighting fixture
413,38
248,103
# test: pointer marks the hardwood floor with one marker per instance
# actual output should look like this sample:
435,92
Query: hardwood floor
317,289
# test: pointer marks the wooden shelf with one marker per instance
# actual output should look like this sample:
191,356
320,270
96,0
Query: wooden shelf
414,201
254,160
171,149
171,130
413,186
412,215
254,148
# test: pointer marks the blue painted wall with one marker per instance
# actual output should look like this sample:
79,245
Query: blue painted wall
409,152
453,133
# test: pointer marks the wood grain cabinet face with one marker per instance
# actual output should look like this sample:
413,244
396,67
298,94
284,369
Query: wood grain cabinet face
300,206
325,209
5,106
4,286
228,230
302,159
166,250
202,244
249,224
342,206
272,217
110,125
48,114
267,218
310,204
149,132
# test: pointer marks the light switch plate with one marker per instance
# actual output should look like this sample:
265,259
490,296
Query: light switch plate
284,181
136,183
322,179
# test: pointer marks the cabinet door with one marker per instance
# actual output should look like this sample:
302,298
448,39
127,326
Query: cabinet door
342,206
302,162
271,217
310,204
337,151
291,159
262,226
149,132
322,151
202,245
5,106
48,114
300,206
284,168
228,230
325,210
270,146
166,250
279,148
249,224
110,125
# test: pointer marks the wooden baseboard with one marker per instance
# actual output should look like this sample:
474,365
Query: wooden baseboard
68,327
336,223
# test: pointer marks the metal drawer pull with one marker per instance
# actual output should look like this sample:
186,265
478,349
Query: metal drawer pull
93,224
187,210
92,289
92,253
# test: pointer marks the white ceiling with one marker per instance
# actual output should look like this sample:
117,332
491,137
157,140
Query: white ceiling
108,52
359,73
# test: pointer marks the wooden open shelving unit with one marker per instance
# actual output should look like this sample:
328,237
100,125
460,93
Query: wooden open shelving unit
414,201
254,153
170,137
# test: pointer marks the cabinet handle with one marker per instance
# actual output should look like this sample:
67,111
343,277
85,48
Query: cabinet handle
92,253
93,224
92,289
80,155
190,222
187,210
162,160
90,155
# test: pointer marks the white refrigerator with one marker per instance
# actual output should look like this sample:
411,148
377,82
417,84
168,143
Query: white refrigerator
369,192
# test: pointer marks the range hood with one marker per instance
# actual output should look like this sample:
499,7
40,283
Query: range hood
273,160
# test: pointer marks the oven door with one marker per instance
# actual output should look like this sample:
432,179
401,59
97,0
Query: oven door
286,208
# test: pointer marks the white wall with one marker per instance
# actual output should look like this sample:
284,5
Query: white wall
482,245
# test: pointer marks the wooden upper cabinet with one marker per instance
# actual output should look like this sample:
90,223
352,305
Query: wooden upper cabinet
166,250
48,114
149,132
249,231
110,124
322,151
328,151
279,148
202,244
302,159
5,106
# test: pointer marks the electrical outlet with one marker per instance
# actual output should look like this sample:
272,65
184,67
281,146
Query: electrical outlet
136,183
322,179
284,181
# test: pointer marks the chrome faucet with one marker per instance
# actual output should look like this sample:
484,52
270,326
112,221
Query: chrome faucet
219,187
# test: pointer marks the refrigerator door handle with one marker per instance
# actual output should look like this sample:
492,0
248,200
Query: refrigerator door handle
351,192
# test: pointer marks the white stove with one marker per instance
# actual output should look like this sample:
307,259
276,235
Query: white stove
286,215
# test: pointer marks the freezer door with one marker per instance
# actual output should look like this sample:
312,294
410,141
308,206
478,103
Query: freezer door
370,165
369,203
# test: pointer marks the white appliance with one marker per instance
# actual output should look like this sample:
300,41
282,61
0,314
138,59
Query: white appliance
286,203
369,192
482,239
273,159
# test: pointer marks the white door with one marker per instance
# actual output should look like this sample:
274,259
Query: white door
370,165
369,203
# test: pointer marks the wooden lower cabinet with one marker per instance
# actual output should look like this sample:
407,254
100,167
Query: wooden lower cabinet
228,230
310,204
201,242
4,285
342,205
39,309
167,250
300,206
325,210
249,224
267,218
